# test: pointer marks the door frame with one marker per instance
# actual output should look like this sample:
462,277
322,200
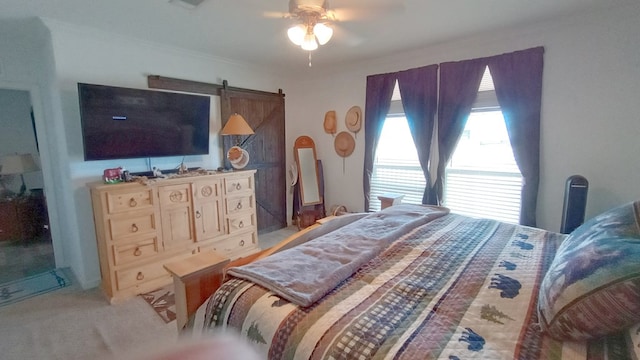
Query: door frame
45,162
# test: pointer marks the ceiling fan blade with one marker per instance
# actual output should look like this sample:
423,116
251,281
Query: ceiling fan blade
276,15
346,37
366,12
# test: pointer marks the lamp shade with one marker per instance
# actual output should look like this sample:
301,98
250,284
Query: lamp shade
296,34
18,164
309,42
236,125
323,33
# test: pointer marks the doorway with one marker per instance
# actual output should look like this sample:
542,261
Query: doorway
25,241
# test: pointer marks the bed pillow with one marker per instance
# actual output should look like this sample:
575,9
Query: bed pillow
592,287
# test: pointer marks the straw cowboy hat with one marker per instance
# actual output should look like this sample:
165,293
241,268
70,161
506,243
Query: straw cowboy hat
344,144
330,122
238,157
353,119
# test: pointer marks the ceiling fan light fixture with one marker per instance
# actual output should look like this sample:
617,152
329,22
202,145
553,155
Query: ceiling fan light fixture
323,33
296,34
309,43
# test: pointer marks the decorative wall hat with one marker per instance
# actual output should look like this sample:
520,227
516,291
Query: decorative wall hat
353,119
344,144
238,157
330,122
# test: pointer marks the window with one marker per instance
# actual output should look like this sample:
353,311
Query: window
396,168
482,178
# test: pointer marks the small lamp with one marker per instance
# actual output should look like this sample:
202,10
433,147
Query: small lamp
237,126
18,164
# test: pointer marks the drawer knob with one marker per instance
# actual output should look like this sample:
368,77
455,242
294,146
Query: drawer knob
239,206
198,214
137,252
238,186
241,224
133,202
241,242
134,228
140,276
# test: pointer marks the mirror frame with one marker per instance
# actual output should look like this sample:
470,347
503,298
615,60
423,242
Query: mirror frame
301,143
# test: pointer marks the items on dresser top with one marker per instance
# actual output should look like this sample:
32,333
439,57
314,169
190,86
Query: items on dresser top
141,227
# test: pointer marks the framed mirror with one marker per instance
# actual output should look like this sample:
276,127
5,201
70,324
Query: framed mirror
305,154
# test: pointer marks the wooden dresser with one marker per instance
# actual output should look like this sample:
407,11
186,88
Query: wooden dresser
141,227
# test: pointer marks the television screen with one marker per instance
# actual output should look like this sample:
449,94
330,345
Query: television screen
121,123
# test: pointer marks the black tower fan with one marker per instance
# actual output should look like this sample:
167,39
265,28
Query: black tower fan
575,202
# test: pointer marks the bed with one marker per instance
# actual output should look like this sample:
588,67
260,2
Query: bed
418,282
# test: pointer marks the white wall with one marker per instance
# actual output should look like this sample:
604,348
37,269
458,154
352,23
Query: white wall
88,56
590,125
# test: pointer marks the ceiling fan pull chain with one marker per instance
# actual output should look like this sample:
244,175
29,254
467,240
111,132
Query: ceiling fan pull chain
309,58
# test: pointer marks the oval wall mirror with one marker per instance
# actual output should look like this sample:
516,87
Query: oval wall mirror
305,154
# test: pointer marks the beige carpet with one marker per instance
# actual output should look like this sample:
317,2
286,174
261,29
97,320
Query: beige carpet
71,323
74,324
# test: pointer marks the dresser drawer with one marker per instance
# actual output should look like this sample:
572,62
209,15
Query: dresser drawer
206,189
238,185
234,205
139,275
232,247
139,250
118,202
175,195
240,223
134,224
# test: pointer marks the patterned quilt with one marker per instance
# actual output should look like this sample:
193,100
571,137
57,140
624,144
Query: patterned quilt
454,288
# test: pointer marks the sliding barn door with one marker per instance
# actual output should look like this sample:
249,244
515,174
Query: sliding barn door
264,112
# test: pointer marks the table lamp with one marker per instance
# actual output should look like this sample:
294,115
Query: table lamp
18,164
237,126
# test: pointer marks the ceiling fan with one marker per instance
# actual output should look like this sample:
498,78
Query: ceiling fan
315,20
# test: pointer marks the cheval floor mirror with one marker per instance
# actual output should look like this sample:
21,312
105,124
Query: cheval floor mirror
308,198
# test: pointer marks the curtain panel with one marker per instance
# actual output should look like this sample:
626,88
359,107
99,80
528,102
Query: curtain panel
419,94
377,103
517,78
459,83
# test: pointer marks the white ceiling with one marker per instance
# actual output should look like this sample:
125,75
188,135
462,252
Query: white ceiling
239,30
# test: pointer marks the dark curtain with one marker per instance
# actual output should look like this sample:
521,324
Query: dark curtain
377,103
459,83
418,90
517,78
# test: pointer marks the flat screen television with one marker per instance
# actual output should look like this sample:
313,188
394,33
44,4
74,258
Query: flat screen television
123,123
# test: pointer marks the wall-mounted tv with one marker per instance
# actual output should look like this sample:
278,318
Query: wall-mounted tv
122,123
